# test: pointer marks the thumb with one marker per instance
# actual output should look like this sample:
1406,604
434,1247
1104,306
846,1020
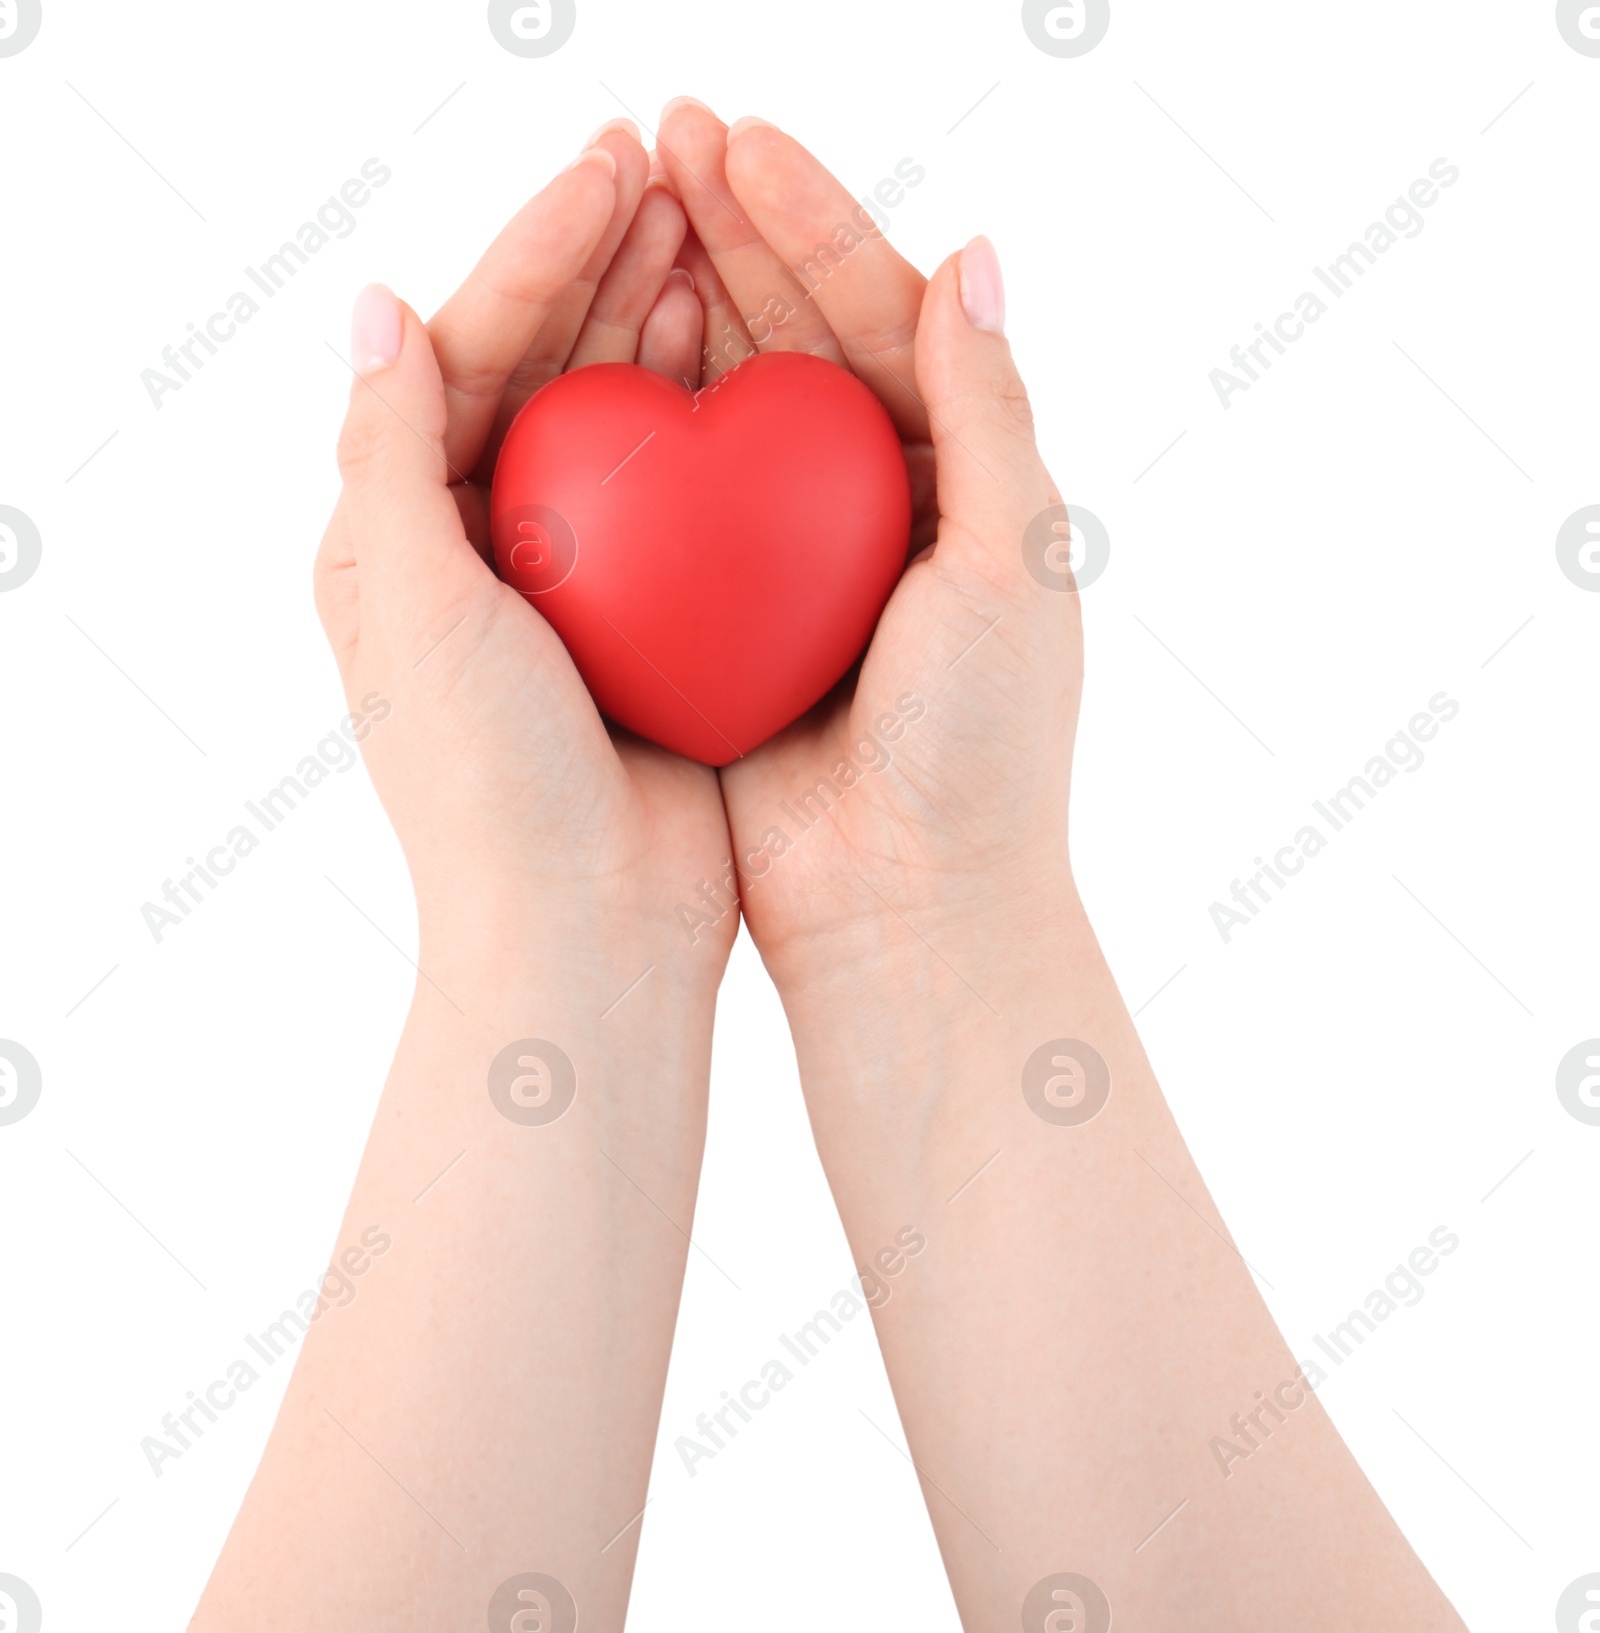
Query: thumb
404,528
991,480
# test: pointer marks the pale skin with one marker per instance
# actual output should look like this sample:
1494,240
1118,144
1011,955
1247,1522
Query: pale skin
1080,1328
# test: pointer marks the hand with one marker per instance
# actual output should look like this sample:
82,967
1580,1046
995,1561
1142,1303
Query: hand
972,681
516,806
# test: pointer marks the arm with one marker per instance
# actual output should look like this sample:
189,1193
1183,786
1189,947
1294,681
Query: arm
469,1428
1079,1328
485,1403
1079,1351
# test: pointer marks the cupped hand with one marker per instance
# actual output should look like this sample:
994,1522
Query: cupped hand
520,812
930,789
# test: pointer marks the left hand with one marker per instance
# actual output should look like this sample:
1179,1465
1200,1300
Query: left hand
969,829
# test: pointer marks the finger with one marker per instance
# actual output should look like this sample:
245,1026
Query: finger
550,349
992,482
693,144
485,329
610,332
669,342
397,509
869,295
725,341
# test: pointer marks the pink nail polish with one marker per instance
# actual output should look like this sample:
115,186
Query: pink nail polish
376,329
983,291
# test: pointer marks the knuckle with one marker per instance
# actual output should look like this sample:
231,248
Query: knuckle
532,371
981,410
1011,397
868,348
359,449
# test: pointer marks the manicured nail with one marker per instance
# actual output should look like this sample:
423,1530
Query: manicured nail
595,155
376,329
626,126
749,122
983,291
683,102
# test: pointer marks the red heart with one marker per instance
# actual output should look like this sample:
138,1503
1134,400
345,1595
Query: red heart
716,560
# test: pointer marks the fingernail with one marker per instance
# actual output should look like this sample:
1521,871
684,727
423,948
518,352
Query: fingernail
658,168
749,122
627,126
683,102
685,274
983,291
376,329
595,155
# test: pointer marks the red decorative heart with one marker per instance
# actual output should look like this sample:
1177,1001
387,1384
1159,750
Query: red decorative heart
716,560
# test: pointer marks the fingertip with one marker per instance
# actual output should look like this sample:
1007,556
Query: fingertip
772,170
764,159
945,299
659,195
963,307
693,141
600,157
392,437
582,199
377,329
390,343
749,122
620,138
678,102
983,290
621,127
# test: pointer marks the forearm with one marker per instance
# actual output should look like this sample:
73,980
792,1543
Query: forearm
1080,1327
485,1403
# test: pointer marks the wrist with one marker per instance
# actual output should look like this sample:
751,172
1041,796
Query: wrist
591,949
543,1029
922,958
919,1065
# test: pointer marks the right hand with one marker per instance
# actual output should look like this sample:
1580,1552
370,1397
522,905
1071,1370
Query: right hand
514,802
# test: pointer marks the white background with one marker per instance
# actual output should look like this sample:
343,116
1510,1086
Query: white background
1324,556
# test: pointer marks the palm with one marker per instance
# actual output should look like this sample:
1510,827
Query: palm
501,748
936,754
505,743
760,206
